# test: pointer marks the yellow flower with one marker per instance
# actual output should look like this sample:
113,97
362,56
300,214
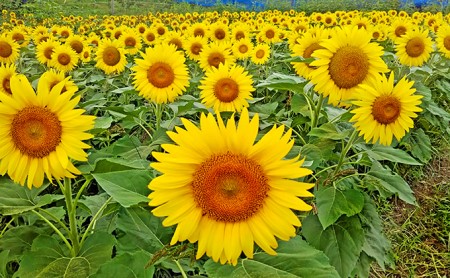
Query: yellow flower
42,133
64,58
414,48
193,46
443,40
260,54
226,88
384,110
347,60
6,72
110,56
161,75
51,78
131,41
214,54
224,191
242,48
9,50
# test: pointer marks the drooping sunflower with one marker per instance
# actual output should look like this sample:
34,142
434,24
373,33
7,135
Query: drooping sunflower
64,58
161,75
384,110
226,192
110,56
260,54
42,133
6,72
226,88
214,54
9,49
414,48
347,60
443,40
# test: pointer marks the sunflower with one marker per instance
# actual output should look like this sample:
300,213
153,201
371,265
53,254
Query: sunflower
384,110
347,60
110,56
175,38
64,32
150,36
44,51
132,41
306,46
42,133
226,192
198,29
398,28
226,88
214,54
64,58
269,34
242,48
77,43
51,78
141,28
9,50
161,75
193,46
86,55
219,32
414,48
6,72
240,31
443,40
260,54
20,36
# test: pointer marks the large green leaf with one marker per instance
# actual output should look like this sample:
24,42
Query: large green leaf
18,240
143,231
15,199
279,81
362,268
379,176
329,131
295,258
97,249
332,203
376,245
342,242
127,187
129,265
419,144
379,152
4,260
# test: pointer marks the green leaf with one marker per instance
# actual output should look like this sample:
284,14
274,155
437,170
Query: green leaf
15,199
4,260
278,81
103,122
380,176
379,152
129,265
333,203
127,187
329,131
299,104
376,245
419,144
362,268
18,240
342,242
106,165
97,249
295,258
143,231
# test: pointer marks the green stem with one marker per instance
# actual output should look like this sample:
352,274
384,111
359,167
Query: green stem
56,219
299,136
315,119
345,150
71,210
6,227
57,231
85,184
93,220
158,113
181,269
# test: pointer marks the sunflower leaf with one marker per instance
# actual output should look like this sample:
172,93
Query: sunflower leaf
15,199
419,144
342,242
333,203
128,265
379,152
298,258
329,131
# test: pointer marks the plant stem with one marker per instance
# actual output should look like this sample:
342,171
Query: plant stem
158,113
181,269
85,184
71,210
345,151
56,219
6,227
93,220
57,231
315,119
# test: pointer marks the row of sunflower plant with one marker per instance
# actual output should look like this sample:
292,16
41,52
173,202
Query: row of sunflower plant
172,143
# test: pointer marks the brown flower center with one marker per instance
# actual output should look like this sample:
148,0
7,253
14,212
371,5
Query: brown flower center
226,90
5,49
150,37
196,48
160,75
310,49
48,52
243,48
141,29
219,34
270,34
77,46
199,32
415,47
36,131
18,37
130,42
386,109
348,67
161,31
64,59
111,56
447,42
260,53
229,187
176,42
214,59
239,35
6,85
65,34
400,31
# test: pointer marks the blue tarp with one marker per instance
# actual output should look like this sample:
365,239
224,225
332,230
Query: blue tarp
421,3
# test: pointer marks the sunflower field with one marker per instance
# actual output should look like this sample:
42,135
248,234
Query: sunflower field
219,143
